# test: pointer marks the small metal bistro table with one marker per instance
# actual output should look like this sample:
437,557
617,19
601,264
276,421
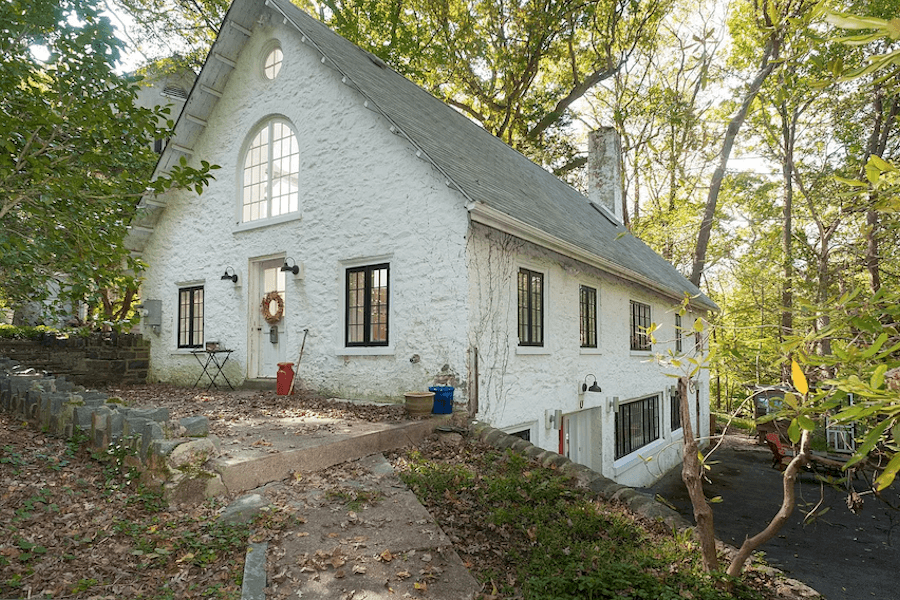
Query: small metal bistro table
212,366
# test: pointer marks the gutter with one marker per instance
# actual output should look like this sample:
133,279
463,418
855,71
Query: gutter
491,217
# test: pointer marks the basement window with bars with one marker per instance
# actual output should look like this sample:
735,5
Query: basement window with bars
675,410
636,425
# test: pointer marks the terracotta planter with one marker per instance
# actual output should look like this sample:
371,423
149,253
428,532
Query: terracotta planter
419,404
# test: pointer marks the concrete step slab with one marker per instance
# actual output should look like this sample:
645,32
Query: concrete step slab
264,454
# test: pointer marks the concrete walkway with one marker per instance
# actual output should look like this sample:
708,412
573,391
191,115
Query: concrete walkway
384,548
388,547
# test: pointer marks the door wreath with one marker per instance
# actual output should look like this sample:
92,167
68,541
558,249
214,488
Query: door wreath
272,317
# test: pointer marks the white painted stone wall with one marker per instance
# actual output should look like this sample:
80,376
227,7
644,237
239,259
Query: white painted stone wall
518,385
365,198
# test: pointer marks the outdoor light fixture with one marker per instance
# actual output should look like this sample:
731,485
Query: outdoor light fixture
593,388
292,267
230,274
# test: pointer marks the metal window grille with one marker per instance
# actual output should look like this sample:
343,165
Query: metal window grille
190,317
675,409
640,323
531,308
636,424
367,306
678,345
588,305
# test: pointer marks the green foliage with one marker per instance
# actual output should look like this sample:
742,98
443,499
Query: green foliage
864,341
76,156
566,545
13,332
84,585
11,458
872,30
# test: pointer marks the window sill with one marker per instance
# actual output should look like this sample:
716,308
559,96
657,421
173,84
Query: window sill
532,350
643,353
250,225
591,351
366,351
639,456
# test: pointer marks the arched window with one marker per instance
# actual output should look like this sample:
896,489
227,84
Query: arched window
271,170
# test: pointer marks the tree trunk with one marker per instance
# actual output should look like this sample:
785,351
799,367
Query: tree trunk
691,471
788,124
884,123
789,500
734,125
873,261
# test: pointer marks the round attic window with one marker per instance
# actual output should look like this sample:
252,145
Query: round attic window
272,64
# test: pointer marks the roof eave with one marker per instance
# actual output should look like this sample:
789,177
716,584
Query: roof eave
490,217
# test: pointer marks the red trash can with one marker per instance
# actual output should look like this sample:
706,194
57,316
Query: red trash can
284,378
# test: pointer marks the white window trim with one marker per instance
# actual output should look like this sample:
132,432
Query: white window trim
270,47
640,456
341,349
531,426
249,225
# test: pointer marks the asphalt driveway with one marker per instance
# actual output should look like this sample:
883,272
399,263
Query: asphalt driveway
844,556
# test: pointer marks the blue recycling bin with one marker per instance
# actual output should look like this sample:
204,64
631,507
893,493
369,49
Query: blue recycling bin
443,399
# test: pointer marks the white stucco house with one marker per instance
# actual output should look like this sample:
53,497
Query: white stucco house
416,249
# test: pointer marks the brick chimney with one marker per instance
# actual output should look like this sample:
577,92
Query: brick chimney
604,170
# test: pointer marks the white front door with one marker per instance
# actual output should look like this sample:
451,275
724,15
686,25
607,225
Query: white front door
268,341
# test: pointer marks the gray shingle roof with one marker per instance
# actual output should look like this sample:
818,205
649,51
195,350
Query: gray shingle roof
485,169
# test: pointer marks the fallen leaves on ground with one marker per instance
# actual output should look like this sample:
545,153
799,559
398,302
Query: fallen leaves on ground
70,527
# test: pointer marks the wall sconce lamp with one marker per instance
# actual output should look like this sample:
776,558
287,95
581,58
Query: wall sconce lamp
553,419
593,387
230,274
293,267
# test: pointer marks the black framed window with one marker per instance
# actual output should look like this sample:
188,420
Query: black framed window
678,345
675,410
531,308
525,434
367,306
637,424
588,316
640,323
190,317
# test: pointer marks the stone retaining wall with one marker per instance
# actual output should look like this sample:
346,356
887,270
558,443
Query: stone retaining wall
94,361
169,454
